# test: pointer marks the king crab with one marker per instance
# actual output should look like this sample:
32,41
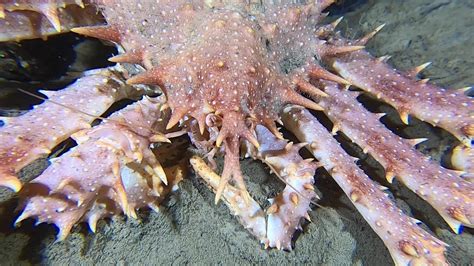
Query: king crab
264,146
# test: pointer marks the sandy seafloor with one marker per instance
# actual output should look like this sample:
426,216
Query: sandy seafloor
191,230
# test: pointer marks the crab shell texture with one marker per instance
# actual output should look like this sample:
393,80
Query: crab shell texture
223,68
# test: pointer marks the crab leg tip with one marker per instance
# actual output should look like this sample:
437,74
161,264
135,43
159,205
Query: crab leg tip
252,139
63,233
11,182
405,117
93,226
456,226
161,174
159,137
417,141
24,215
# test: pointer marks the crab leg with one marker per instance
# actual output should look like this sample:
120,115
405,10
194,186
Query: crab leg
449,194
293,203
32,135
448,109
29,19
407,243
111,170
288,207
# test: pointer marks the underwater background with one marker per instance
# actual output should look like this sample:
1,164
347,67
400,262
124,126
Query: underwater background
190,229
